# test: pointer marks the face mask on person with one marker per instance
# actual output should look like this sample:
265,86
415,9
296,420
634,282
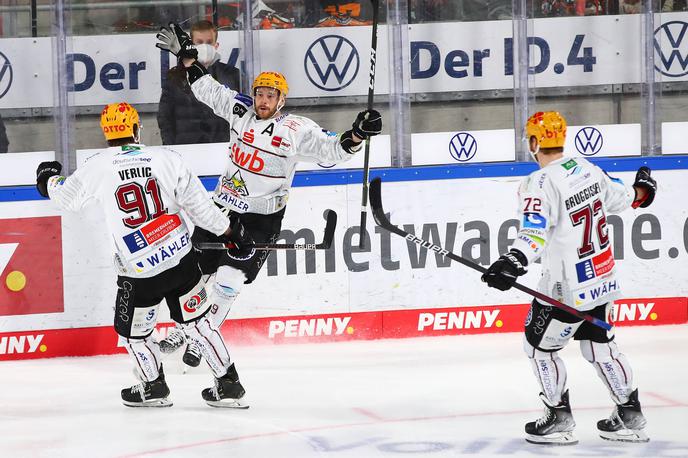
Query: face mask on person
207,55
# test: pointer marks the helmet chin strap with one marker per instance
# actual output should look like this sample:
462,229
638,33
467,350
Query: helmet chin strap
534,153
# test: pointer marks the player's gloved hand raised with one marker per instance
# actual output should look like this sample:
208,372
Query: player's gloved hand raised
239,242
368,123
503,272
644,181
44,171
175,40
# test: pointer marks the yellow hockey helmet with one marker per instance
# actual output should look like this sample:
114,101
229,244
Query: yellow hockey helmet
548,127
271,79
118,120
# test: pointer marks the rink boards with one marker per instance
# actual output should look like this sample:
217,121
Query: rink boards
58,283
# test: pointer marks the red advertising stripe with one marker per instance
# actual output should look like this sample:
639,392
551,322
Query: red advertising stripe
337,327
32,278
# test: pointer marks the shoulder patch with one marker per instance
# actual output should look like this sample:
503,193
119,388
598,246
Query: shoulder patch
568,165
239,110
245,99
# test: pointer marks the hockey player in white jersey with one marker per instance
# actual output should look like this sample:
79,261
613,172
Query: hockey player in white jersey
563,208
265,147
142,191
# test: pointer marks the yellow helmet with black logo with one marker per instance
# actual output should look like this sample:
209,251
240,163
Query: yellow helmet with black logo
548,127
118,120
273,80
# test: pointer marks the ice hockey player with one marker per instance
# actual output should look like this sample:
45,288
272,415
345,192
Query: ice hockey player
265,146
563,208
142,191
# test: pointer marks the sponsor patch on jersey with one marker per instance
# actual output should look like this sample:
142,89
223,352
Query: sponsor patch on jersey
151,232
568,165
534,221
245,99
234,185
597,266
279,142
239,110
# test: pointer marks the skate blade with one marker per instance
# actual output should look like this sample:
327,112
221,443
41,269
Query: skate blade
625,435
164,402
562,438
228,404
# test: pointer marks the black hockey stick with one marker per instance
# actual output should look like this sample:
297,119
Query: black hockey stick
324,245
382,221
366,155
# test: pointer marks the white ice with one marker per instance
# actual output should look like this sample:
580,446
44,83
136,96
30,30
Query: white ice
436,397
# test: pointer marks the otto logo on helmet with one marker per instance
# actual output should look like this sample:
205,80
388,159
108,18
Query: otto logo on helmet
120,120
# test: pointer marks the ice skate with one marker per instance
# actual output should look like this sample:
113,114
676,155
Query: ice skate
148,394
175,339
227,391
192,356
626,422
555,427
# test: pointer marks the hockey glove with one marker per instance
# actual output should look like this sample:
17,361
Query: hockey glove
503,272
239,242
644,181
175,40
367,124
44,171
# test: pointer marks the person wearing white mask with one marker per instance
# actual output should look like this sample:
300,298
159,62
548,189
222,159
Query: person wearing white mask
181,118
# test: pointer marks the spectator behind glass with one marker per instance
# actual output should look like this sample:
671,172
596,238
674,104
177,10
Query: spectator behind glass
183,119
4,142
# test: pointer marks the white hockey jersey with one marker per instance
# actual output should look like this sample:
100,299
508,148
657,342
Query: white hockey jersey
263,153
563,209
141,190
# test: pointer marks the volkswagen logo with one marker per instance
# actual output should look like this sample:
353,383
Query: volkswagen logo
5,75
589,141
463,147
331,62
671,49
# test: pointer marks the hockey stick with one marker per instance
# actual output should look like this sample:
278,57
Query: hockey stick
366,155
382,221
324,245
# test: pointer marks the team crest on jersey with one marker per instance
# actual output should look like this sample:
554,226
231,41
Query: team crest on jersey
235,185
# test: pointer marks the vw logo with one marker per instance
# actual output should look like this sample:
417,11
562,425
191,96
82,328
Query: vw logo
463,147
325,166
5,75
671,48
588,141
331,62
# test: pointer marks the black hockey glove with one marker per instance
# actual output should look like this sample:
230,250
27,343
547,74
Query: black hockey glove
44,171
239,242
503,272
645,181
367,124
175,40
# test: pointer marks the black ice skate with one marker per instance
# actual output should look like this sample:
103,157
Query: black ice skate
175,339
148,394
192,356
555,427
626,422
227,391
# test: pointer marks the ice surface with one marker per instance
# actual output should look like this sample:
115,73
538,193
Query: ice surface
436,397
